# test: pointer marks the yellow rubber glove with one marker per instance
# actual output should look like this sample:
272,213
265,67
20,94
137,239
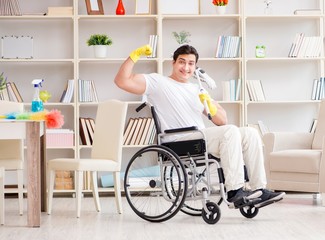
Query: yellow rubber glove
211,106
141,51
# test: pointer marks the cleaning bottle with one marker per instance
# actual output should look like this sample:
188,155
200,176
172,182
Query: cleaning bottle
37,104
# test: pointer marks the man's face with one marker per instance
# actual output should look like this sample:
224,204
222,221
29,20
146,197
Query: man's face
184,67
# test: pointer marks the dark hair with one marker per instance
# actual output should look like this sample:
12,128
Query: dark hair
186,49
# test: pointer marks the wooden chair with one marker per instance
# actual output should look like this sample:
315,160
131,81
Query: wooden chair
12,151
106,155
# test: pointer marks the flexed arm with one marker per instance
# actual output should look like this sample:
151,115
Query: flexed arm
126,79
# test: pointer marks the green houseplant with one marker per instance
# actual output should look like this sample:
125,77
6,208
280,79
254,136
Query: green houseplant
182,37
100,43
99,39
3,82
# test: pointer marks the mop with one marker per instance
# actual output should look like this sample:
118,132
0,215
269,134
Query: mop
202,76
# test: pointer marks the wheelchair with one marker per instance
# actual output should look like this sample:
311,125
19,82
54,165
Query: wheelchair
161,180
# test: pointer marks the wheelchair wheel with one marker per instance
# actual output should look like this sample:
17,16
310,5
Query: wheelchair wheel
249,211
155,183
215,214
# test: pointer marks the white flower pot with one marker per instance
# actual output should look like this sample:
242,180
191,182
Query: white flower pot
221,9
100,51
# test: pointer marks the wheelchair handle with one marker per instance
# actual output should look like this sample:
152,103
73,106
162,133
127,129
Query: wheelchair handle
138,109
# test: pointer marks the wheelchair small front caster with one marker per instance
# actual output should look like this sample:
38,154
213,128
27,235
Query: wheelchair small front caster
249,211
214,216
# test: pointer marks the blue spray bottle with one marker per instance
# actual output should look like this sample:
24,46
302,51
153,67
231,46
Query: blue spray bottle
37,104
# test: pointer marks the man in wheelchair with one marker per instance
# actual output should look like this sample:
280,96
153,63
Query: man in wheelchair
179,104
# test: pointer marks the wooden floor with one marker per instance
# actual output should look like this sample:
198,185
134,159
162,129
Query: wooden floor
296,217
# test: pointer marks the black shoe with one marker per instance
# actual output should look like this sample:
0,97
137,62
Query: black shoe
269,197
240,194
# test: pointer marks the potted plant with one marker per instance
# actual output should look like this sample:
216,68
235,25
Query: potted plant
220,5
3,82
100,43
182,37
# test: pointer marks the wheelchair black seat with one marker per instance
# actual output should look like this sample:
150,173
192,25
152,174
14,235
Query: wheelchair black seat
189,147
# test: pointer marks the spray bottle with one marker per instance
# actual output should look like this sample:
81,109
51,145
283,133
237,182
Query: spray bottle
37,104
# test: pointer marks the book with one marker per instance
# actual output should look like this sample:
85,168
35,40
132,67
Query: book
4,94
141,131
92,123
136,131
60,11
127,130
68,92
87,91
255,90
313,126
238,88
145,131
131,133
83,131
315,11
16,92
263,128
151,133
153,41
90,130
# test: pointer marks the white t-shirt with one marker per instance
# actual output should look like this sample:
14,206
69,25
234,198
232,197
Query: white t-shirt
177,104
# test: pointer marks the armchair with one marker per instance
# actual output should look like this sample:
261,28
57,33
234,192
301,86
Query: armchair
295,161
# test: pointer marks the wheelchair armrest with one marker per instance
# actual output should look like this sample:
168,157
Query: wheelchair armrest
181,129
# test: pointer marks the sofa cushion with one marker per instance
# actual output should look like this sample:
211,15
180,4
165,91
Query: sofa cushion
300,160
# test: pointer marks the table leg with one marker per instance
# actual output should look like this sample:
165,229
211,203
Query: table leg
34,173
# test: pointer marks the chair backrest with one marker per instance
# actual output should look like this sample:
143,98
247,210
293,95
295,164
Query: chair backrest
11,149
109,128
320,127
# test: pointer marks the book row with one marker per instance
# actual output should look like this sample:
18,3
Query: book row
86,91
318,92
303,46
153,41
255,90
139,131
86,130
228,47
10,93
231,90
10,8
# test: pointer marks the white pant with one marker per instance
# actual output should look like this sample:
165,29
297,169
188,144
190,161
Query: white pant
236,147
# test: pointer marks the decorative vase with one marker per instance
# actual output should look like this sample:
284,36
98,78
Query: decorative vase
221,9
100,51
120,8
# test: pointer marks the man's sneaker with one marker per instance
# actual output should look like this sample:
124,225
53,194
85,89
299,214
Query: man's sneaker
269,197
243,197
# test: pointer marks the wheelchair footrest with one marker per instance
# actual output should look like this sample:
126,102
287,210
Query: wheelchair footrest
268,203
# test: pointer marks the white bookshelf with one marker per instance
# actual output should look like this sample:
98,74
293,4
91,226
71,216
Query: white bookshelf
61,53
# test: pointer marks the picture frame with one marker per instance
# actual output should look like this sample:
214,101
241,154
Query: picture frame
180,7
142,7
94,7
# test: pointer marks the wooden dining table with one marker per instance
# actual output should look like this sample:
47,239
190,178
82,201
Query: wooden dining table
34,134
